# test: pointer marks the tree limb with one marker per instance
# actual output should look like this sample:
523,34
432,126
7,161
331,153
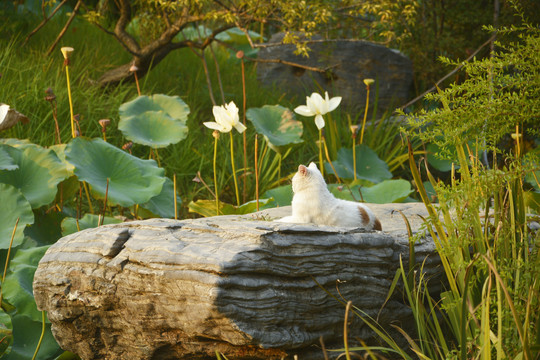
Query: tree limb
45,20
70,20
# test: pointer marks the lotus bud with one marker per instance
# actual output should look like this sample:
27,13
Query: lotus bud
215,134
104,123
133,68
240,54
515,136
369,82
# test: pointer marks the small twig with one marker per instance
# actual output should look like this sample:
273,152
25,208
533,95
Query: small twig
310,68
61,34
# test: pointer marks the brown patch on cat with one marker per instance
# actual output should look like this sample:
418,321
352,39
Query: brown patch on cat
364,215
377,225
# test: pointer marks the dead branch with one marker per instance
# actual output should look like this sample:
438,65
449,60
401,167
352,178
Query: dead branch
61,34
279,61
45,20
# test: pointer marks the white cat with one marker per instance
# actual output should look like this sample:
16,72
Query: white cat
313,203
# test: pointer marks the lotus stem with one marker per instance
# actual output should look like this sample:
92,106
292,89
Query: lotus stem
234,170
365,117
42,334
85,185
216,137
256,172
73,134
7,257
320,153
175,202
354,156
137,83
240,55
330,162
345,331
102,215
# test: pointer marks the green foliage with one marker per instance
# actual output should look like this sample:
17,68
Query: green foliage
278,126
12,198
156,121
130,179
88,221
368,165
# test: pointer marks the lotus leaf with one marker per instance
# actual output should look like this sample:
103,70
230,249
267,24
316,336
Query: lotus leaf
282,195
368,165
277,124
163,204
131,180
25,345
156,121
39,172
207,208
11,198
388,191
6,333
17,289
88,221
6,162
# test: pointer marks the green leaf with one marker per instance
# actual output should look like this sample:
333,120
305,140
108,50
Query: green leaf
17,288
156,121
131,180
434,158
6,333
282,195
27,333
6,162
11,198
162,205
388,191
278,126
368,165
46,228
207,208
88,221
39,171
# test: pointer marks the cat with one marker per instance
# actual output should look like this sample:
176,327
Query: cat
313,203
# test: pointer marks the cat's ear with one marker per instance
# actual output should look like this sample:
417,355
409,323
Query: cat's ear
302,170
313,166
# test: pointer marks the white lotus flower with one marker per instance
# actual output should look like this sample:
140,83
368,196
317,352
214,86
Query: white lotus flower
317,106
4,109
226,118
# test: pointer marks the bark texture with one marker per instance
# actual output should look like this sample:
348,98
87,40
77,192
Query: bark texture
241,285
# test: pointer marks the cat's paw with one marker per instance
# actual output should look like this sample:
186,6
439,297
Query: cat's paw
286,219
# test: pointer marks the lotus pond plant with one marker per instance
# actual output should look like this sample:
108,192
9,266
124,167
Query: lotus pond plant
317,106
226,117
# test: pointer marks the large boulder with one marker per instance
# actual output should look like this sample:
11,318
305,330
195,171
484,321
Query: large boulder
348,64
245,286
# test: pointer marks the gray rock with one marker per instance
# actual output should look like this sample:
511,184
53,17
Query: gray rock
246,286
349,63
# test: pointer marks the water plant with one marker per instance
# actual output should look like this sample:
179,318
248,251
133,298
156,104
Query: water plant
317,106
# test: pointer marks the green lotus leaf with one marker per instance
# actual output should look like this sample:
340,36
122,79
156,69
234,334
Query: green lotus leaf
88,221
153,128
282,195
39,171
27,335
11,198
368,165
388,191
6,162
237,36
162,205
207,208
277,124
46,228
6,333
156,121
17,289
131,180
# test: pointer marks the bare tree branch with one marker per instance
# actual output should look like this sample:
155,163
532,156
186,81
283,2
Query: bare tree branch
61,34
45,20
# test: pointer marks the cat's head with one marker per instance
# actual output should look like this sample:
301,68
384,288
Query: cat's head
308,177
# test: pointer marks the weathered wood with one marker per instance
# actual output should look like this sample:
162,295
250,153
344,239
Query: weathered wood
164,289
